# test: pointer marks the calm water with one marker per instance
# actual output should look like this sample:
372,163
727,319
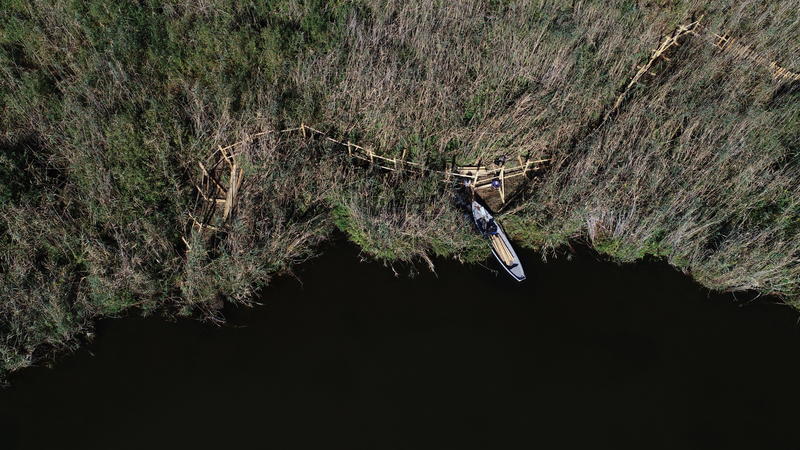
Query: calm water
582,355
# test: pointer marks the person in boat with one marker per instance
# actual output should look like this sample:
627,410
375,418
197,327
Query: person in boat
488,227
481,224
491,227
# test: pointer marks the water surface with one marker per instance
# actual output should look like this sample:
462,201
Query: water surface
584,354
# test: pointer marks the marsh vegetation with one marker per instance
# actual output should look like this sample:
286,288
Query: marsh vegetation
106,109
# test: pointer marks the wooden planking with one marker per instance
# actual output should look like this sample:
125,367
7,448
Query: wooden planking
502,250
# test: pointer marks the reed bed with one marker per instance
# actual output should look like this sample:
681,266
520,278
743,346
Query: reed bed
108,110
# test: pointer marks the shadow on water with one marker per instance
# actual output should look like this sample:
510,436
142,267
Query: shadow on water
584,354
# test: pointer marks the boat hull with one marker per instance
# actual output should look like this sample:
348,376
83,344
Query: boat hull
501,246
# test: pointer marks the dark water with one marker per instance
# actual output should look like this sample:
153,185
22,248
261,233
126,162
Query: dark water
583,355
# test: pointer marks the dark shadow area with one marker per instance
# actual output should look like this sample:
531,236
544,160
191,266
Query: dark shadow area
22,168
584,354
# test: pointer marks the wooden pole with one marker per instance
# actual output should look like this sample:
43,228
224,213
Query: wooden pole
229,195
477,171
502,185
210,177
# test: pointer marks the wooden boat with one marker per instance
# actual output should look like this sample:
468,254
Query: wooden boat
501,247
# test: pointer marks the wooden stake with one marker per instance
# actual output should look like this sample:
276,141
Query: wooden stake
229,197
502,185
210,177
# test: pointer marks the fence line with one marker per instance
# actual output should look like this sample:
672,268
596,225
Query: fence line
722,42
213,193
368,155
657,55
738,50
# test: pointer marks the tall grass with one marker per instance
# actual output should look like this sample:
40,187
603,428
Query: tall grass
106,108
700,166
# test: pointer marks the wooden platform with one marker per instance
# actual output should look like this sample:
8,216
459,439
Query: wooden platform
510,180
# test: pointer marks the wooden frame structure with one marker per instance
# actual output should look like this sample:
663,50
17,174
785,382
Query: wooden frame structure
741,51
221,177
658,54
220,182
723,42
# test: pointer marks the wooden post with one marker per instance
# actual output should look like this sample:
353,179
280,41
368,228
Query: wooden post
477,171
229,195
303,129
502,185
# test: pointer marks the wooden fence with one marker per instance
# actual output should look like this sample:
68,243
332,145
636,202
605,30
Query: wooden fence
722,42
741,51
221,175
